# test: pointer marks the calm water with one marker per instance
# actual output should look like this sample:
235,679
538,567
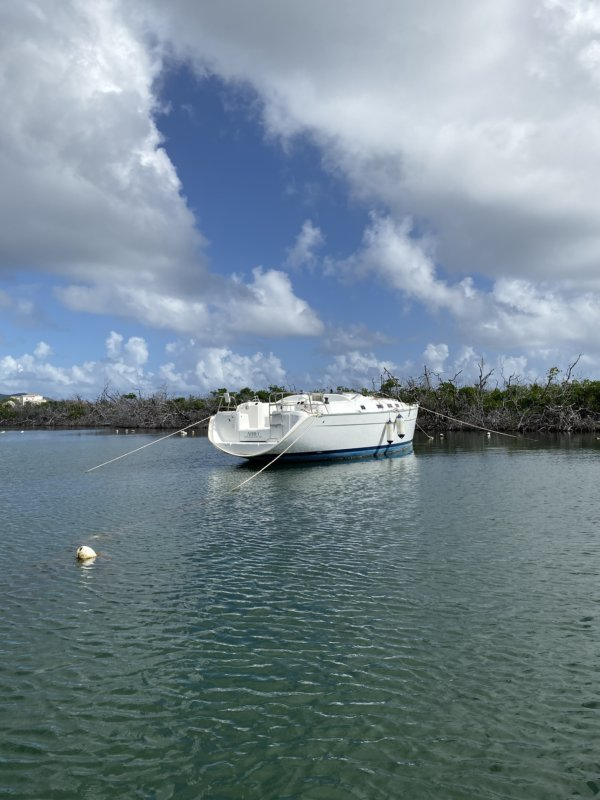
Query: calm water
424,627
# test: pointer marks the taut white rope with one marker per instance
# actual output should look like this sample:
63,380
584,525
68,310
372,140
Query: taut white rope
472,425
262,469
137,449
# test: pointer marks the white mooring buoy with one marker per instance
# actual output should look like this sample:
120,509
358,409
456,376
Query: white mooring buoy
84,552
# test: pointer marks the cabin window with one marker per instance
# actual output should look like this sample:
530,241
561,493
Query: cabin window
363,408
379,405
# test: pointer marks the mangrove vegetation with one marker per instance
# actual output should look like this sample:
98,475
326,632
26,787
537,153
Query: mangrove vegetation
558,403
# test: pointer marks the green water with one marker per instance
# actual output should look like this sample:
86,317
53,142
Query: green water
424,627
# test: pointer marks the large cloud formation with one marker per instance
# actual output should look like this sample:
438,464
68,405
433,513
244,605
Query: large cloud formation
88,192
477,119
86,185
471,128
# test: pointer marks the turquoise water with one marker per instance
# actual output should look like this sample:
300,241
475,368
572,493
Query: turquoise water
423,627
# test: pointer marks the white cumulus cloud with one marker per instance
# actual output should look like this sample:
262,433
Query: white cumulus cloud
308,240
88,192
268,306
356,370
220,367
476,120
436,356
473,127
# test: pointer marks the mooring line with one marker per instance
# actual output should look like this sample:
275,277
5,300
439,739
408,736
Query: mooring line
137,449
472,425
262,469
423,431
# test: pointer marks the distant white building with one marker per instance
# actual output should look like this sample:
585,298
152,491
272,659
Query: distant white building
23,399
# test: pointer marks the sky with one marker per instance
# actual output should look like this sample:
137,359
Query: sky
198,195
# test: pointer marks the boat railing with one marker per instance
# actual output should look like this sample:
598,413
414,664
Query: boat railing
278,398
311,402
227,402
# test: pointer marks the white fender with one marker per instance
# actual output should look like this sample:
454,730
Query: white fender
389,431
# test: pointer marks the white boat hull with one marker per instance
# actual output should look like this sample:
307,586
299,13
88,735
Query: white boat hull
303,428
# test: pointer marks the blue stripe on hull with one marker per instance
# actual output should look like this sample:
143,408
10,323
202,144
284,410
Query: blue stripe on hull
383,451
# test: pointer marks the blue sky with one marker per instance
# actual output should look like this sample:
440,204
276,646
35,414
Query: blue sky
197,195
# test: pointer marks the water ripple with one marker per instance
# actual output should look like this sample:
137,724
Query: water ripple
425,627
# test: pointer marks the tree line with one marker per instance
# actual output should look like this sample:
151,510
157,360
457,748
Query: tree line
558,403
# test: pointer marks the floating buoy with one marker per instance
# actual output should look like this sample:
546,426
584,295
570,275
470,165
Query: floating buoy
84,552
183,433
